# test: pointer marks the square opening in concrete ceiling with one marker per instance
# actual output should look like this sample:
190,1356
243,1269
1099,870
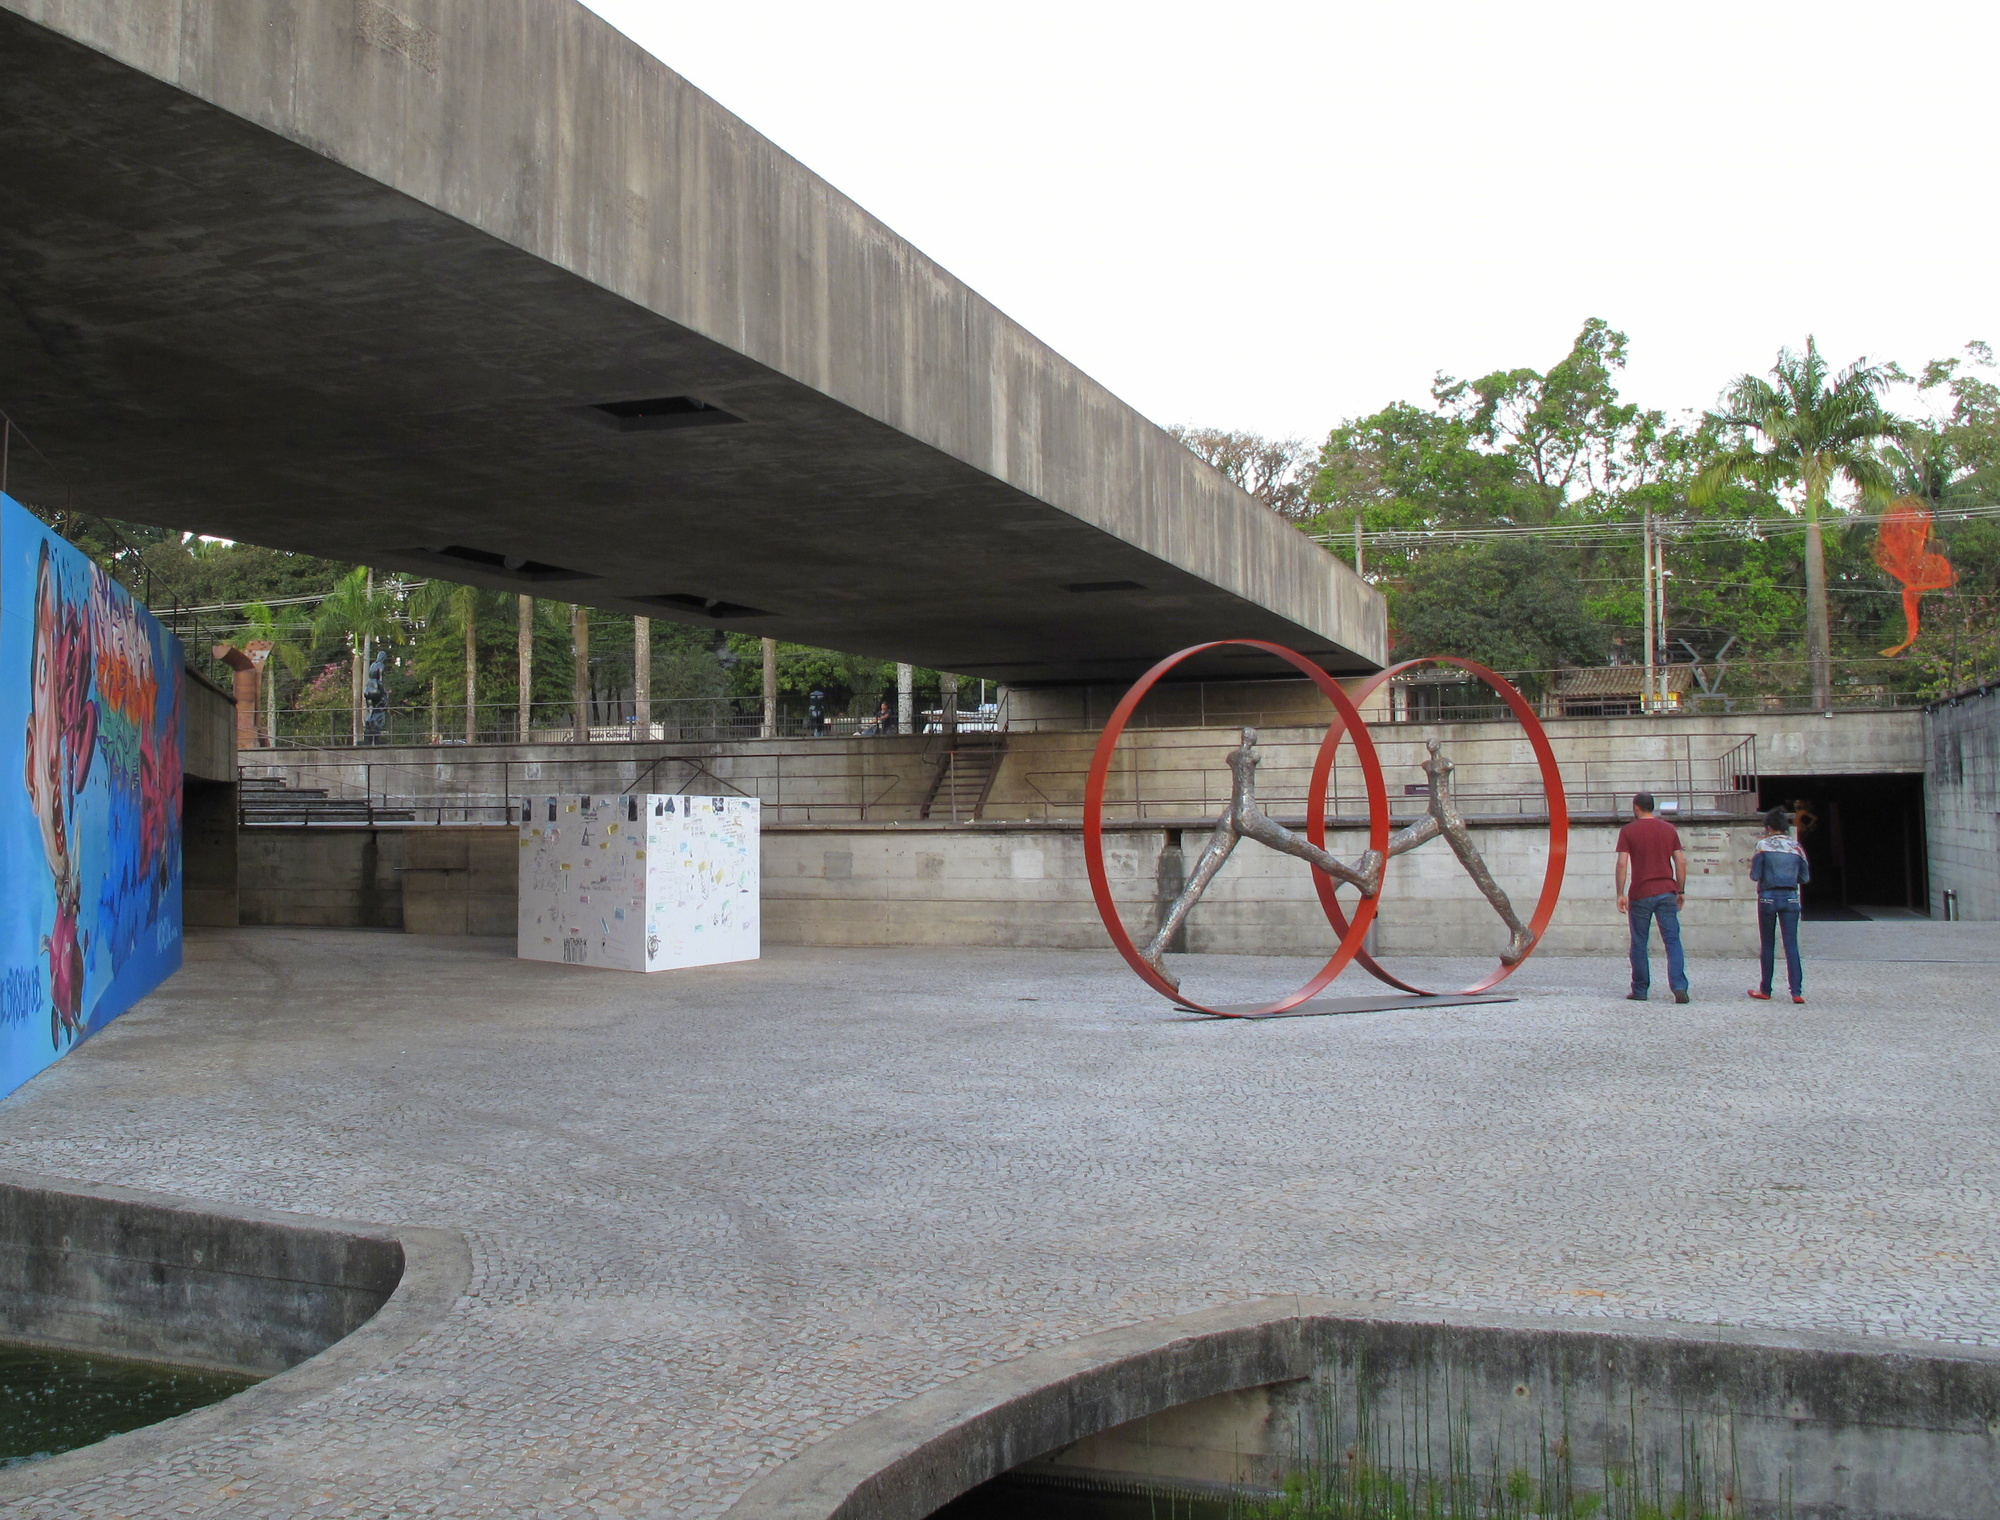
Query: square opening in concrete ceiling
448,557
1087,586
707,606
660,412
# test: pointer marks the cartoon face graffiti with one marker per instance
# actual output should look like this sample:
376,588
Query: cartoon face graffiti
60,742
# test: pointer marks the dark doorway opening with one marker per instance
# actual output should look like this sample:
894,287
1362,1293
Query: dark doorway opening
1864,836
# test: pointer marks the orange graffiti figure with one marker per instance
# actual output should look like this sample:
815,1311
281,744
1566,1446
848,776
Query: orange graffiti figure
1902,547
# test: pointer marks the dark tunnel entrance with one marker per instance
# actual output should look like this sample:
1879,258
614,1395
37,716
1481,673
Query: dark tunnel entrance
1864,836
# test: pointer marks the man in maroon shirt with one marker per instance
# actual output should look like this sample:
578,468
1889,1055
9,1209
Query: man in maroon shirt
1652,883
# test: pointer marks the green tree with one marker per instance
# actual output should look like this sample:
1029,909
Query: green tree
1803,434
440,606
1519,447
1277,471
1510,604
261,626
354,613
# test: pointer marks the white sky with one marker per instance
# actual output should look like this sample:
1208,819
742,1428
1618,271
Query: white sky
1270,215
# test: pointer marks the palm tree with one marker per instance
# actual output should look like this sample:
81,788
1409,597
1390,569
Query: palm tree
1813,432
524,662
261,627
1920,461
355,612
436,600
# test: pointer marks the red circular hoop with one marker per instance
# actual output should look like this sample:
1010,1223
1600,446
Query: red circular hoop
1347,718
1552,790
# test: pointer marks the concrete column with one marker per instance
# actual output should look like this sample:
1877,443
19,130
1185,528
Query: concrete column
906,702
524,638
243,672
770,729
948,695
579,690
642,675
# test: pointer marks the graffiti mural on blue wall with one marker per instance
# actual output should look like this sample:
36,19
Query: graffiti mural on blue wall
90,797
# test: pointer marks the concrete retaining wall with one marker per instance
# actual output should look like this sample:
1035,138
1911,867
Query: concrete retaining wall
1023,885
208,740
208,805
332,878
108,1271
1011,885
1962,805
1811,1426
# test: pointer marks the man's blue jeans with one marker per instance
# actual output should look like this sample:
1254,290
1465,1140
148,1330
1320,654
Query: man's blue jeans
1776,911
1642,912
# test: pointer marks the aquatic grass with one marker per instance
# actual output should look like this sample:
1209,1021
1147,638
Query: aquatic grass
1357,1460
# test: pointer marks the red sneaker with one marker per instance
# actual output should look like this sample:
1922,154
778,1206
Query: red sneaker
1762,997
1797,998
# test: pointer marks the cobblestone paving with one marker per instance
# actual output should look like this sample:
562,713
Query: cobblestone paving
718,1214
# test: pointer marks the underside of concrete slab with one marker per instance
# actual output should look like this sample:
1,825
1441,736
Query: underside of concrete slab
488,292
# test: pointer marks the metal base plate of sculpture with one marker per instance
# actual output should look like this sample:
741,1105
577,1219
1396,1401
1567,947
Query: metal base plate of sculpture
1242,818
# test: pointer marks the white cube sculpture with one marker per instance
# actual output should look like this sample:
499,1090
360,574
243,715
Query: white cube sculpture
640,882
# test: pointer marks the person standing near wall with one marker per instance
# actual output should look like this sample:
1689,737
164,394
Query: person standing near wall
1779,868
1652,884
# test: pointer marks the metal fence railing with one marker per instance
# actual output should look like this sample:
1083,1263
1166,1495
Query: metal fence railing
1166,776
803,782
1496,779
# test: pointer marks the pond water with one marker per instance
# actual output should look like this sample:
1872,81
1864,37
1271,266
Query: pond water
1008,1498
52,1401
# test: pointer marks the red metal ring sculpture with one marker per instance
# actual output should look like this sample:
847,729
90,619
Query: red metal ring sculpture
1347,719
1552,790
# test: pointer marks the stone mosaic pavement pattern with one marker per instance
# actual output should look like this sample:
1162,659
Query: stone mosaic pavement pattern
717,1214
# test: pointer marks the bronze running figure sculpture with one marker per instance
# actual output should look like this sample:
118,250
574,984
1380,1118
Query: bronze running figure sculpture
1242,818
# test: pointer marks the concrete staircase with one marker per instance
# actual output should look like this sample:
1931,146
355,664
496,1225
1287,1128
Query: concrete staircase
964,777
268,800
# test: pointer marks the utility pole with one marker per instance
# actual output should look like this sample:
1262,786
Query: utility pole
364,647
1360,567
770,728
524,636
642,675
579,638
1646,546
1660,610
906,703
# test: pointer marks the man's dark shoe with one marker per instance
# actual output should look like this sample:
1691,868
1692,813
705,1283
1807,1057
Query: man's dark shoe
1635,997
1681,996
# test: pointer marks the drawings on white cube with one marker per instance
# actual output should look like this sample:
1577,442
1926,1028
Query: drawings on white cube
639,882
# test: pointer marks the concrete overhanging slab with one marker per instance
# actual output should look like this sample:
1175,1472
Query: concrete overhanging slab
382,282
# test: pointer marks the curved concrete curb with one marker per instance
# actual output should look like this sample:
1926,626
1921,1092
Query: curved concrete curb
437,1266
906,1461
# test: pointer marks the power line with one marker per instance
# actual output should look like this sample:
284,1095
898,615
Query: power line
1616,534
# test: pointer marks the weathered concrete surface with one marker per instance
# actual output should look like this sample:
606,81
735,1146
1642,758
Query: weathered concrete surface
336,878
209,854
134,1277
1024,886
1014,885
720,1215
1962,805
1792,1424
350,276
208,730
111,1268
208,805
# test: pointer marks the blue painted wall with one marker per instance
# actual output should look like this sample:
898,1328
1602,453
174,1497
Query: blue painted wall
90,797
